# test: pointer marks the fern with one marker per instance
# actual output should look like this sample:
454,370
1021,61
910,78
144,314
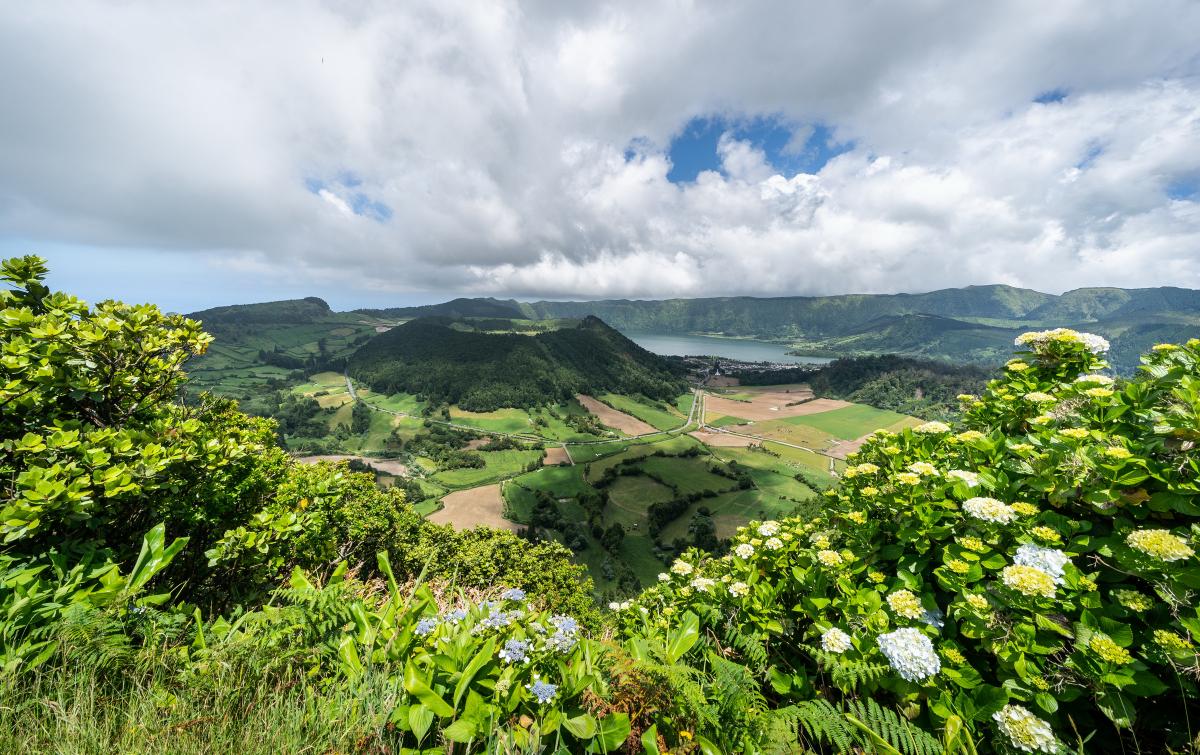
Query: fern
819,723
751,648
848,675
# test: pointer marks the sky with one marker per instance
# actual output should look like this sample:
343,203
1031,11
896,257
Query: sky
374,153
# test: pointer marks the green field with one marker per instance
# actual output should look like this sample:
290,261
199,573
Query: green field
498,465
684,403
849,422
684,474
544,422
730,511
658,416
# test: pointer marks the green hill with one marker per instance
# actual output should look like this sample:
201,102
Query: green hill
440,360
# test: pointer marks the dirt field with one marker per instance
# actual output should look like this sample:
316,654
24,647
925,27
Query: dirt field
389,466
470,508
626,423
556,455
723,381
478,443
769,405
722,439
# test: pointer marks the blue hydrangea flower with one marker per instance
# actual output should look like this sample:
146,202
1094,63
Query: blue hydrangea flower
934,618
565,624
426,627
513,593
543,691
496,620
1050,560
455,616
515,651
561,641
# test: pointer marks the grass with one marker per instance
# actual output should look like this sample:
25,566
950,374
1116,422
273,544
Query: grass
686,475
724,420
498,465
501,420
563,482
671,445
790,432
683,404
397,402
849,422
731,510
658,416
630,496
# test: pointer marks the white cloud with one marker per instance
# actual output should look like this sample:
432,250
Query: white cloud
496,135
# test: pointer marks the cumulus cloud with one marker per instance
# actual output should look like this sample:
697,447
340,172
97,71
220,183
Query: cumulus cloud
523,148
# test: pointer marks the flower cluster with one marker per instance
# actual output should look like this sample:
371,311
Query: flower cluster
910,653
932,428
905,604
989,510
1040,341
515,651
543,692
835,640
1103,646
1049,560
1160,544
1027,732
1028,580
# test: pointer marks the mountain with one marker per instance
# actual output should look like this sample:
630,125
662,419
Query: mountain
796,316
455,308
445,360
288,311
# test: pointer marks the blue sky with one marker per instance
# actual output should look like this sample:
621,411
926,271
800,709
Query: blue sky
694,149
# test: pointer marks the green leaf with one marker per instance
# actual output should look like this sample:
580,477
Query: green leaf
683,637
582,726
418,687
420,719
650,740
462,730
468,675
613,731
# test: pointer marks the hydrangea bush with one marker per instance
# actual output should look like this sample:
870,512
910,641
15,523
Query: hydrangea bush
1030,578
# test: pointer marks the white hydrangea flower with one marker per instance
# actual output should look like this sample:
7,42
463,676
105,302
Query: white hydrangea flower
970,479
703,583
664,577
1093,379
923,468
1027,732
745,550
910,654
739,589
989,510
1050,560
773,543
1039,339
768,528
835,641
932,428
681,567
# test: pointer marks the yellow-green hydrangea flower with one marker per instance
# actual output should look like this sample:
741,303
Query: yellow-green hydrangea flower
1028,580
1164,347
1160,544
1133,600
1046,534
958,566
876,576
1038,397
1016,365
870,491
967,436
952,655
977,601
904,603
858,517
923,468
1098,392
829,558
972,544
1109,651
1026,731
1171,641
1024,509
908,478
1116,452
1074,433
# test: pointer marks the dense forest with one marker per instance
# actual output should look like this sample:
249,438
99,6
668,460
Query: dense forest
919,387
485,371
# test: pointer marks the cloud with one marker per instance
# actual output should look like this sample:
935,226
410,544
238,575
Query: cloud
522,149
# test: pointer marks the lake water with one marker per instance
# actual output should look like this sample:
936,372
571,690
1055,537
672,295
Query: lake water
730,348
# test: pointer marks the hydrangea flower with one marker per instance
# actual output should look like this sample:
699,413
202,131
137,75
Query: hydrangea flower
562,642
1038,340
989,510
1028,580
958,566
970,479
969,436
1098,392
564,623
910,654
543,691
1027,732
1038,397
1050,560
908,478
739,589
703,583
496,620
1024,508
773,543
954,656
1074,433
1160,544
932,428
515,651
768,528
1172,642
664,577
1103,646
923,468
904,603
1048,534
1116,452
829,558
425,627
1093,379
455,616
933,617
681,567
978,602
745,550
835,640
513,593
619,606
1133,600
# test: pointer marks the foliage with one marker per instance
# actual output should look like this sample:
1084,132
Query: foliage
1030,581
919,387
487,371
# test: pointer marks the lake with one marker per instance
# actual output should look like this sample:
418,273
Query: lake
730,348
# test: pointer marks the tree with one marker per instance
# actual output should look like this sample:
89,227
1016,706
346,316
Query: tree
360,418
